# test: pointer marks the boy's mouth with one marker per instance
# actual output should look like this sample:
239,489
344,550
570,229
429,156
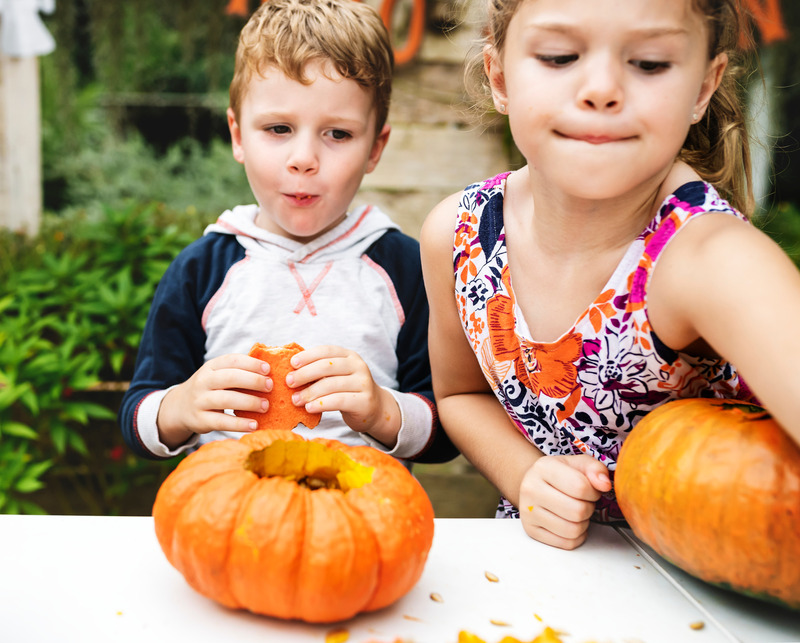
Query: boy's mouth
302,198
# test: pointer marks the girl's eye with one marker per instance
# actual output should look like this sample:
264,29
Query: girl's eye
651,66
561,60
278,129
339,135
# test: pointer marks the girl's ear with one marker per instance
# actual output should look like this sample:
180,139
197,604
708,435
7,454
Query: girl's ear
714,73
497,79
236,136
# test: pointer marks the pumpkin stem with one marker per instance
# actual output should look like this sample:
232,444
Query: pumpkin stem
310,464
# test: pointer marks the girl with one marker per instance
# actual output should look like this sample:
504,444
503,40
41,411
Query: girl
577,281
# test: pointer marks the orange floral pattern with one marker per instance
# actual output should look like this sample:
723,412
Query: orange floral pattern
584,392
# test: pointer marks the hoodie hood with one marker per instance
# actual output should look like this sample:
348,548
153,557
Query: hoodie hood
352,236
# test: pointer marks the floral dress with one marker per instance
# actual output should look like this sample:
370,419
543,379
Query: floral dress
584,392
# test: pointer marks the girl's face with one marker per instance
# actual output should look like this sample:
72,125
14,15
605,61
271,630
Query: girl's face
600,94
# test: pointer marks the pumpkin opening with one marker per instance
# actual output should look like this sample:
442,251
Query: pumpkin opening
309,464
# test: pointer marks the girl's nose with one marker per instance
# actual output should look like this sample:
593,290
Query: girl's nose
601,88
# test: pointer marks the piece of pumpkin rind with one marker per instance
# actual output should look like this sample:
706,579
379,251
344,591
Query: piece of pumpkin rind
282,414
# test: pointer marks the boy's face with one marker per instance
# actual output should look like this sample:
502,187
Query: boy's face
305,148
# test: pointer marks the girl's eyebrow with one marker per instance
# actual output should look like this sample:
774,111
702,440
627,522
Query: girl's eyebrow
644,33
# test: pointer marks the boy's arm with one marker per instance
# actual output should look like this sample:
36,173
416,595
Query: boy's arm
172,347
421,437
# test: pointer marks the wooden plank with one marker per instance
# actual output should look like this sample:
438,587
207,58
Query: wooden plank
20,144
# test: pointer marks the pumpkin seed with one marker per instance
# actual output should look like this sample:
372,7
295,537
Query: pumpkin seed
697,625
494,621
437,597
492,578
337,636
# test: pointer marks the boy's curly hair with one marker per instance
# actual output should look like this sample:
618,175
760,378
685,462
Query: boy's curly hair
288,34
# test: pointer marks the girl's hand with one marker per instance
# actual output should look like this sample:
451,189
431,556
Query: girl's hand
339,380
557,498
197,405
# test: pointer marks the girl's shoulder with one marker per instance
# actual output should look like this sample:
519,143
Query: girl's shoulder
688,202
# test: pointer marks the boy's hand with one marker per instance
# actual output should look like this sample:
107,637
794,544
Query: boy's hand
557,498
339,380
196,406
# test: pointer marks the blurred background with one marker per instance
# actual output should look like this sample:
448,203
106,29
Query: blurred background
115,154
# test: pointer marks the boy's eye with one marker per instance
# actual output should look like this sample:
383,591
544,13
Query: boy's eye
278,129
558,60
339,135
651,66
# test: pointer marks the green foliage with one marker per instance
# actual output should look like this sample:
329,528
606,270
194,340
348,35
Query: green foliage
73,303
117,172
783,225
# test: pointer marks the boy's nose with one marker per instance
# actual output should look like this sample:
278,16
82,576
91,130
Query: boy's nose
303,157
602,86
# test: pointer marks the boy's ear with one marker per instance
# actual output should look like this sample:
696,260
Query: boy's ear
714,73
494,73
377,148
236,136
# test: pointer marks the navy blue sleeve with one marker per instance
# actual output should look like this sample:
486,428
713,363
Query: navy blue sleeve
399,255
172,347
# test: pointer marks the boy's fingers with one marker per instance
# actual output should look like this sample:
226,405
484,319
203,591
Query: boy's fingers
238,361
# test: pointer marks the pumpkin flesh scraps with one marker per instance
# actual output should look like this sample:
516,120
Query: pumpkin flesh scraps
245,524
310,464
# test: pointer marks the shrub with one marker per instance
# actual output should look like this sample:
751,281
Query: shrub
73,302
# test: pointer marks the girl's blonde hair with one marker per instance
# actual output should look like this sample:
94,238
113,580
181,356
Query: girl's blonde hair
288,34
718,147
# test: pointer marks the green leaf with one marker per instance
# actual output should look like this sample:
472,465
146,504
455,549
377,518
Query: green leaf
19,430
75,411
58,434
77,442
28,485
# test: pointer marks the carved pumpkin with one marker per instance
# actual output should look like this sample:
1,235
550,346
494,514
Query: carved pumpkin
292,528
714,487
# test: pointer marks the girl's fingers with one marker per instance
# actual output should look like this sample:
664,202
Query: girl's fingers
562,534
568,474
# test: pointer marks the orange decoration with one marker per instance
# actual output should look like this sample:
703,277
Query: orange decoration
281,414
314,530
768,18
238,8
714,487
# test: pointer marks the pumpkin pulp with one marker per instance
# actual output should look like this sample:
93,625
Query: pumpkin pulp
309,464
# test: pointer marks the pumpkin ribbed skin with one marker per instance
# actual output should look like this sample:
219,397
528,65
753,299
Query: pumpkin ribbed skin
714,487
265,543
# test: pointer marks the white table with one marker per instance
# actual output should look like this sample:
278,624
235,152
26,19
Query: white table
86,579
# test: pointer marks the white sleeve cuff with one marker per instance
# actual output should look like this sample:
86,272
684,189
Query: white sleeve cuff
147,427
416,425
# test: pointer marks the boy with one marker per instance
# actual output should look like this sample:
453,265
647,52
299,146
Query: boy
308,108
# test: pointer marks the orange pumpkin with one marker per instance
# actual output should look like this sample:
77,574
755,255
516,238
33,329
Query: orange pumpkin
714,487
292,528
